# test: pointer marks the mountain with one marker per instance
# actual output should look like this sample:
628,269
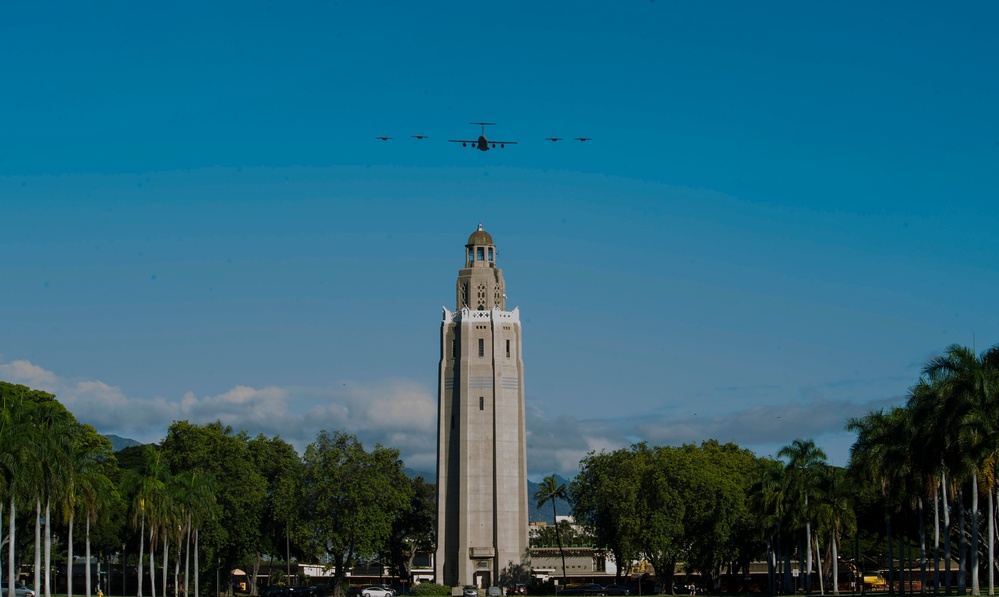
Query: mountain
119,443
533,514
545,514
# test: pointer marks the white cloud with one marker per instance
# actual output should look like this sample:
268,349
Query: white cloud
395,413
402,414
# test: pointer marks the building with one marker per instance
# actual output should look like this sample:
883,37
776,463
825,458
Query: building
481,436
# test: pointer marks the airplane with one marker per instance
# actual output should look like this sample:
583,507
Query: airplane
482,144
383,138
418,136
553,139
583,138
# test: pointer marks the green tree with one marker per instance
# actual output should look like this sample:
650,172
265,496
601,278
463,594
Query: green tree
351,497
605,499
232,534
550,490
274,458
414,528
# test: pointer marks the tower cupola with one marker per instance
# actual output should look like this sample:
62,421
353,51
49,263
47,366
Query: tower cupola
480,250
480,283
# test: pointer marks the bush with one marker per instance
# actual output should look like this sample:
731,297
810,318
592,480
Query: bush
429,588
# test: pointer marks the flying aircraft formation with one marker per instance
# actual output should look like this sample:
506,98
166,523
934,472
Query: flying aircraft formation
483,143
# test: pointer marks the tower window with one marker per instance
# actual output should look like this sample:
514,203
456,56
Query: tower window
482,403
490,253
508,349
482,348
471,256
480,254
454,349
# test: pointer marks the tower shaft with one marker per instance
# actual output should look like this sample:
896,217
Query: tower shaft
482,454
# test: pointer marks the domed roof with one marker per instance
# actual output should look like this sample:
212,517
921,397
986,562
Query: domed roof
480,237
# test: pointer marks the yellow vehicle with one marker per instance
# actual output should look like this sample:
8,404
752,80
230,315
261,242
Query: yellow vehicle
875,582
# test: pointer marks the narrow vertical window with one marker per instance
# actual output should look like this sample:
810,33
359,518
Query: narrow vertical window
454,349
480,254
508,349
490,253
482,348
482,403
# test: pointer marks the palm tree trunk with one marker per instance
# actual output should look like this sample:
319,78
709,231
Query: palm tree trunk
166,558
962,565
69,559
818,564
187,561
152,563
38,542
808,549
992,542
195,562
48,547
558,539
922,546
891,556
88,558
142,544
12,518
946,509
835,561
936,540
975,589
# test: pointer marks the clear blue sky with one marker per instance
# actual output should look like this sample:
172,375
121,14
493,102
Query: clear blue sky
785,210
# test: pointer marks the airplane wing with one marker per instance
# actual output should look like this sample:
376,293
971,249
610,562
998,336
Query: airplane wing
503,142
461,141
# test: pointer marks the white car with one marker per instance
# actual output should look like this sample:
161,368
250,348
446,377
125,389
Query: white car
377,591
20,590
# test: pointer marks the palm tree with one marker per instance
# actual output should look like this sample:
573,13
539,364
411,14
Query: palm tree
195,496
834,512
971,384
18,467
804,462
146,488
881,454
550,490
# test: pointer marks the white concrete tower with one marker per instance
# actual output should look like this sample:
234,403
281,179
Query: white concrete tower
481,437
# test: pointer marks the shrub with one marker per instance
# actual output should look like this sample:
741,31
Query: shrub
429,588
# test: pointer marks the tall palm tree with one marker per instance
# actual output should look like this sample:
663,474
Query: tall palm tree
834,512
881,454
195,497
550,490
971,382
146,488
18,467
805,461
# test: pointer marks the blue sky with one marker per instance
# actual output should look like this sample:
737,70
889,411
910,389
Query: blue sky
786,209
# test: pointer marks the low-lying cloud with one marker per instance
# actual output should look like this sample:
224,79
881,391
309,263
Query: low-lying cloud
402,414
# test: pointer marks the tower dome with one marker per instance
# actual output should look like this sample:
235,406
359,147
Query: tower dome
480,237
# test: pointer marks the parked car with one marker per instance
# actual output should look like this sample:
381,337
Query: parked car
20,590
519,589
377,591
470,591
590,589
617,590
